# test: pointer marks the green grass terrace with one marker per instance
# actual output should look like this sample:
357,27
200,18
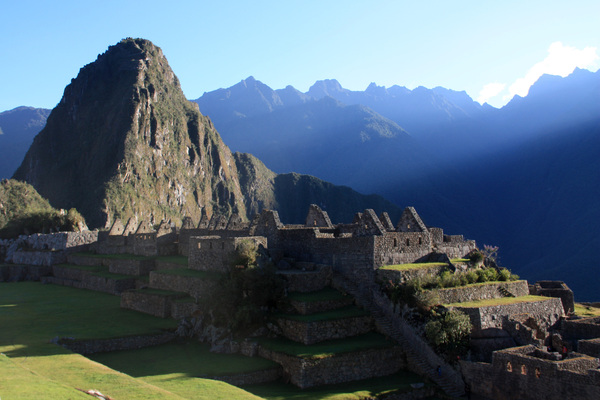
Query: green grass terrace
412,266
498,302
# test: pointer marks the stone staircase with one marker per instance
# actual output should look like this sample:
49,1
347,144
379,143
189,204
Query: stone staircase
421,358
326,321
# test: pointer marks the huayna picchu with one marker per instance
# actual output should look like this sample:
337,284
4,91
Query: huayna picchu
125,142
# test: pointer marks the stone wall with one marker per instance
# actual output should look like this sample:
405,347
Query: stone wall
198,288
520,373
186,234
591,347
401,247
585,328
15,273
318,331
546,312
306,373
311,307
386,275
216,253
488,290
129,267
149,303
144,244
307,281
86,347
48,249
107,285
555,289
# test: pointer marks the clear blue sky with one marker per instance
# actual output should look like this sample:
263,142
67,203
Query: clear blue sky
461,45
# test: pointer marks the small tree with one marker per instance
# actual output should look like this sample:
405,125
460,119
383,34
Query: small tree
449,333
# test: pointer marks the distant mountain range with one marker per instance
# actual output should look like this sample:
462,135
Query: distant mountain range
18,127
525,177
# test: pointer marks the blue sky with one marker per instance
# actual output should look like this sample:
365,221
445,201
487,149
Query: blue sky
498,46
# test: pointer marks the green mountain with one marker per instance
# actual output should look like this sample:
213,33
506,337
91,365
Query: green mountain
23,210
124,141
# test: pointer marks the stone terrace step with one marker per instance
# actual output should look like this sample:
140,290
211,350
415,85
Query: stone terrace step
160,303
126,264
334,361
334,324
95,278
198,284
170,262
307,281
319,301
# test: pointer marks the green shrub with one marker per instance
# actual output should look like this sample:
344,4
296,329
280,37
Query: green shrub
449,333
471,276
504,274
476,257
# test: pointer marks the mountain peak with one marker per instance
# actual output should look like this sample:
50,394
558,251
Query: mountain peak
130,144
326,87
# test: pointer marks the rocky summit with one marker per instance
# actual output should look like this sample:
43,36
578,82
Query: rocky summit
124,142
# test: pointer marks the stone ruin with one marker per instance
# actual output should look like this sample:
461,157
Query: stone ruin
350,255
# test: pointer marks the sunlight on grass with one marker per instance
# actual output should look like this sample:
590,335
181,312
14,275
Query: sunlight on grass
498,302
33,314
359,390
586,310
408,267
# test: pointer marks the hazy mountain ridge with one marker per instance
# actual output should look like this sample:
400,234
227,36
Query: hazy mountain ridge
496,175
18,127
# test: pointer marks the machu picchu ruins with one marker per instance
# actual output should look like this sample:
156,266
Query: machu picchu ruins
336,279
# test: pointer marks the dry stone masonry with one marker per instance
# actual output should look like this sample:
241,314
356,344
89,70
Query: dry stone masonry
128,260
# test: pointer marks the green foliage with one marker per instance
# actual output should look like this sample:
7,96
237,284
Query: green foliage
449,333
24,211
476,257
504,275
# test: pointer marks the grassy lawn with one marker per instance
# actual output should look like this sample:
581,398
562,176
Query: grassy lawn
365,389
586,311
498,302
326,294
340,313
408,267
327,348
31,314
181,358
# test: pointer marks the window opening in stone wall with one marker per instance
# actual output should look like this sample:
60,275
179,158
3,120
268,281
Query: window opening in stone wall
210,246
395,242
509,366
408,226
408,242
538,373
523,370
222,245
199,245
420,240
